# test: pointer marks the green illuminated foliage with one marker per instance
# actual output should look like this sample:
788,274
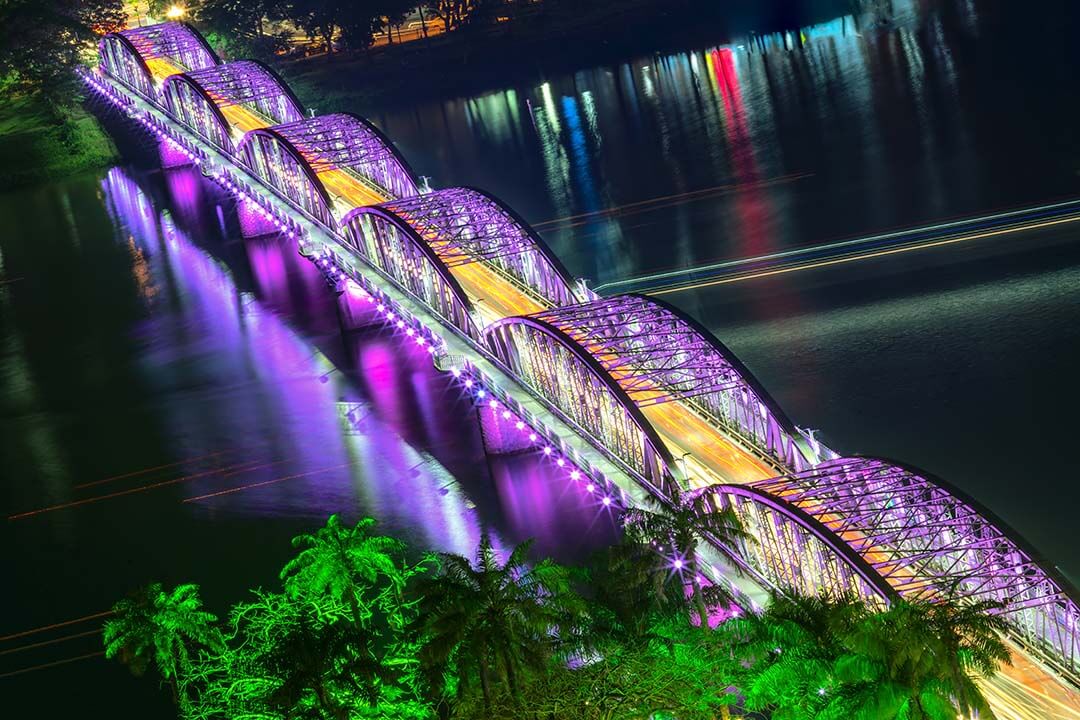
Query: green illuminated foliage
920,660
164,628
339,567
835,659
360,632
494,622
674,526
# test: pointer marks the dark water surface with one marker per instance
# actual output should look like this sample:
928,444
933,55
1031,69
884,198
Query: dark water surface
176,401
959,360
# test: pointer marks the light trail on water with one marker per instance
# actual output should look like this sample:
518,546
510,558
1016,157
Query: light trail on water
847,251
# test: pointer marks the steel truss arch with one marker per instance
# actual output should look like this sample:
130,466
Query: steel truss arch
248,84
379,236
659,354
274,160
136,56
557,366
348,142
926,539
466,225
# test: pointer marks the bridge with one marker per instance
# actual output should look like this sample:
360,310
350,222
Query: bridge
630,394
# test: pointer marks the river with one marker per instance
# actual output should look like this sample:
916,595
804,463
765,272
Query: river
176,401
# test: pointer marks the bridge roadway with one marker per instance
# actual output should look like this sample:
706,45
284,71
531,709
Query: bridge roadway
1025,691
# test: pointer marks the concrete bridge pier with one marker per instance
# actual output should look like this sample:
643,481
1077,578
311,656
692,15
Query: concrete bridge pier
171,156
354,310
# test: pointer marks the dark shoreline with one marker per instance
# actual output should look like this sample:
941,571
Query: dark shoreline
467,62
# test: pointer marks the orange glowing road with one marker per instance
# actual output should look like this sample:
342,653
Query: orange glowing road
161,69
709,456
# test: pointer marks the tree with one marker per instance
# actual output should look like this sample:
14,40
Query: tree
632,587
340,566
452,12
784,657
319,18
287,659
676,524
493,620
166,629
42,42
920,659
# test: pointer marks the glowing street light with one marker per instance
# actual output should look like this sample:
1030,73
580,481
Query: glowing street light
176,12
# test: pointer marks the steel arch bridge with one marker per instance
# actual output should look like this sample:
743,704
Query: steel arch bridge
656,354
313,160
463,225
224,101
887,530
879,528
143,57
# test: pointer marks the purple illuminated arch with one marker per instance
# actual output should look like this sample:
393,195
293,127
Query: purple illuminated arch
465,225
924,539
659,354
126,55
377,234
348,142
196,98
558,367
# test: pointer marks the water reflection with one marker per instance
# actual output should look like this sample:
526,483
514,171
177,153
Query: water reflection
290,430
862,123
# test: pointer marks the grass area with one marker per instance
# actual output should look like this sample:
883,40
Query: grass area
39,143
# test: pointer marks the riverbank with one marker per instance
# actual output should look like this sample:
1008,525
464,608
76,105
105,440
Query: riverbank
40,143
472,60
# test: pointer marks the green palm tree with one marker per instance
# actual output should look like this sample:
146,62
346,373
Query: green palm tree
163,628
339,564
677,524
784,657
632,589
920,660
494,620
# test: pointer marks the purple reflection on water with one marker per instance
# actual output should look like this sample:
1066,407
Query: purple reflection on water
289,434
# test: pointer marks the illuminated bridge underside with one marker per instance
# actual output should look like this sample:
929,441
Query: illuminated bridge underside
659,355
225,101
907,535
141,57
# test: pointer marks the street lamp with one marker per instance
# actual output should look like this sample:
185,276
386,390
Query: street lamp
176,12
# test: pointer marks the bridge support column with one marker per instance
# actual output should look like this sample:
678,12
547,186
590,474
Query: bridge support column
171,156
501,435
354,310
253,220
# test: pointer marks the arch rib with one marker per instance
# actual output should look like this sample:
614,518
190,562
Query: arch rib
345,141
927,540
249,84
389,242
275,160
466,225
658,354
558,366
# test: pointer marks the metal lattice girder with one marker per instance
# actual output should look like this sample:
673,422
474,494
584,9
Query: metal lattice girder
250,84
658,354
175,42
343,141
926,540
464,225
